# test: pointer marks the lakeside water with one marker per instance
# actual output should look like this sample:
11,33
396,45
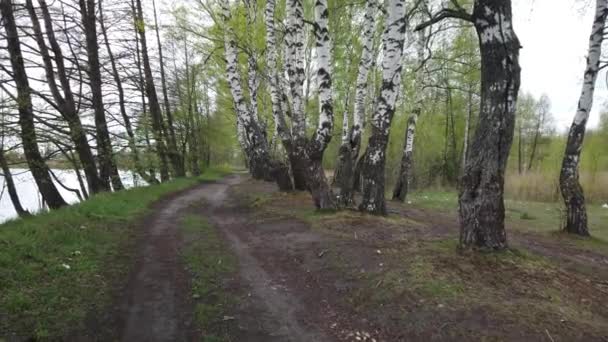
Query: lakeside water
30,197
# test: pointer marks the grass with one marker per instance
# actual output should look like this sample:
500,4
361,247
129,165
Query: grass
535,217
58,266
210,262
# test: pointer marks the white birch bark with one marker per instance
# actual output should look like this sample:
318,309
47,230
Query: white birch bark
253,81
271,62
323,43
234,78
572,192
593,63
375,158
393,39
295,65
345,125
364,66
250,136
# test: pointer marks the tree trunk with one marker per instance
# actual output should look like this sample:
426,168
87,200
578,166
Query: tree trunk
535,141
357,174
36,163
107,167
407,160
280,106
177,160
155,111
315,177
121,102
140,85
572,192
253,140
405,175
519,151
294,62
69,155
10,185
344,176
64,103
481,201
298,162
375,156
467,129
350,148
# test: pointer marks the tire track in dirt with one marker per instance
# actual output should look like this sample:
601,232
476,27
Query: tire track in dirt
276,309
156,305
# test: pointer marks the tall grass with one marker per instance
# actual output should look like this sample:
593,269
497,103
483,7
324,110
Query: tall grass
544,186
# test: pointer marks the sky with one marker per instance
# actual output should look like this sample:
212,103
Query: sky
555,37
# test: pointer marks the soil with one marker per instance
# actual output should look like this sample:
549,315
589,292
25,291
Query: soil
323,279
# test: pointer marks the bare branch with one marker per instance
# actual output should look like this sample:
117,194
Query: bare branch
446,13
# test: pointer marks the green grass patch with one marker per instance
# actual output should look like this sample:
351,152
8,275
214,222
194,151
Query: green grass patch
535,217
58,266
210,263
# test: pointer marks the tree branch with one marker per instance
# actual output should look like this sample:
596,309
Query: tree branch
445,14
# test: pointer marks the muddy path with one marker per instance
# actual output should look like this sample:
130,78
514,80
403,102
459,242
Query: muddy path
270,311
156,304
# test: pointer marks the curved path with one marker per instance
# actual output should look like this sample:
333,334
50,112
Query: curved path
155,306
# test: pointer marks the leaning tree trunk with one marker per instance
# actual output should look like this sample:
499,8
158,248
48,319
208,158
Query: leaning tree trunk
482,210
177,160
572,192
349,150
155,111
150,178
65,103
36,163
407,160
10,185
279,104
107,167
252,138
373,166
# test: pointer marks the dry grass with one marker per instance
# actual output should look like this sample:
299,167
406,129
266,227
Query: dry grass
543,187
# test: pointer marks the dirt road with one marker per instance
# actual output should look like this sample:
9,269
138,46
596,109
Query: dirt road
155,307
305,276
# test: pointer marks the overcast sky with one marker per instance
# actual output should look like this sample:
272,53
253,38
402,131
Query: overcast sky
555,36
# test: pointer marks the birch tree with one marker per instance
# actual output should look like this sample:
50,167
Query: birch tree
294,62
351,139
372,169
402,185
572,192
253,140
316,180
481,198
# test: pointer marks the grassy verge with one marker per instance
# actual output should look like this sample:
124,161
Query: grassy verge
58,266
210,262
535,217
